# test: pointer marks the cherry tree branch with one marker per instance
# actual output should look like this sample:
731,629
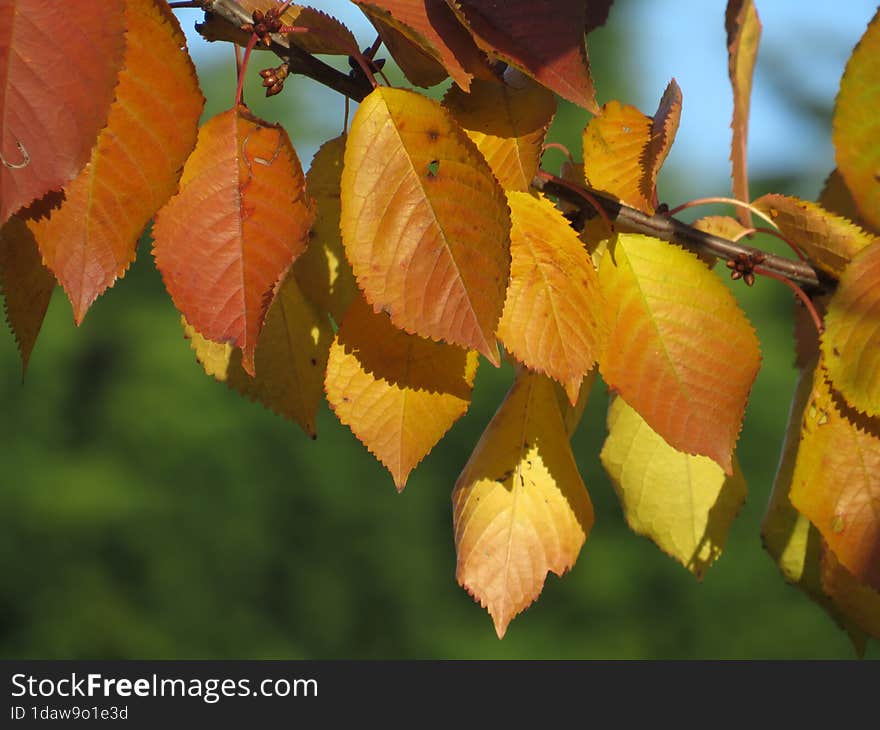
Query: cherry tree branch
298,60
666,228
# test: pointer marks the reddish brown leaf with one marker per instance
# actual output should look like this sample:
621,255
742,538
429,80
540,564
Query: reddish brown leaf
544,38
27,285
836,198
743,36
434,31
92,238
664,126
53,56
240,219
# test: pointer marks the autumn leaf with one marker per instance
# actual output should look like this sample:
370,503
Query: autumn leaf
399,393
856,126
520,508
685,504
743,36
851,342
424,222
41,149
240,219
318,32
624,149
543,38
836,481
290,358
828,240
552,319
427,28
836,198
27,285
323,273
508,122
92,238
681,351
572,413
860,604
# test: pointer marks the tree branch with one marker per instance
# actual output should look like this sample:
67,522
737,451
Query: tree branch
669,229
299,61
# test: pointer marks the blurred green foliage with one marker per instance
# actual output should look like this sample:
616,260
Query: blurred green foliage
148,512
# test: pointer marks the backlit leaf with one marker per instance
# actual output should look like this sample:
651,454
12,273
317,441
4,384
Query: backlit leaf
836,198
241,217
323,273
399,393
544,38
681,351
836,482
624,149
552,319
424,222
743,36
859,603
290,359
856,126
851,342
572,413
92,238
828,240
685,504
433,29
40,148
26,284
508,122
323,33
520,508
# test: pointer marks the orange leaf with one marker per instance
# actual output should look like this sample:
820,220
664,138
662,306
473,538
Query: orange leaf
828,240
398,393
856,126
228,237
424,222
429,28
836,482
544,38
92,238
624,149
858,602
552,319
743,35
291,358
323,273
325,33
508,123
520,508
75,71
681,351
27,285
851,342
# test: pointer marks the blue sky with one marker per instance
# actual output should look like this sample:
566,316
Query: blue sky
804,42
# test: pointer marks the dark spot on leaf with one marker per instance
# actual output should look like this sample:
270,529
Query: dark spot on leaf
433,135
433,168
313,361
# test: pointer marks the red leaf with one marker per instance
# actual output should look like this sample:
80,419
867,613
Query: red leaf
53,56
544,38
240,219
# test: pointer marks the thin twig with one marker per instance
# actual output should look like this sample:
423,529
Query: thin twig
666,228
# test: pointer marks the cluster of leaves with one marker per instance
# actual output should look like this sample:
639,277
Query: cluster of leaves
420,238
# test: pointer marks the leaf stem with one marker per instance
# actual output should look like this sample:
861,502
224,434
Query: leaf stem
729,201
807,302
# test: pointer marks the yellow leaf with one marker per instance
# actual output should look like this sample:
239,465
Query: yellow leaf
828,240
291,357
399,393
323,273
685,504
424,222
743,36
520,508
856,126
681,351
851,341
508,122
572,413
27,285
552,319
836,198
836,482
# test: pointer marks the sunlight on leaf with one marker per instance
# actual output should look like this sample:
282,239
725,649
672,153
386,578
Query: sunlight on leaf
520,508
